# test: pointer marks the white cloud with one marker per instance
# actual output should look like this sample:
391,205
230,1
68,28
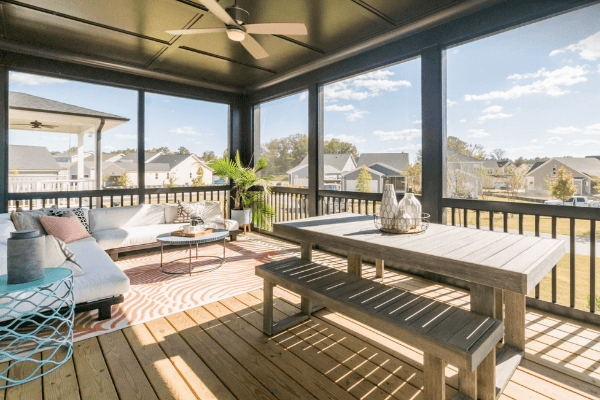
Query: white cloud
553,84
564,130
554,140
33,80
185,130
524,149
407,147
592,130
588,48
463,120
126,137
335,107
533,141
492,109
417,122
346,138
584,142
392,136
450,103
354,115
494,116
477,133
364,86
303,96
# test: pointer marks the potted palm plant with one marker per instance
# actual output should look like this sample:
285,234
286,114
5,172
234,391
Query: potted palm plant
242,180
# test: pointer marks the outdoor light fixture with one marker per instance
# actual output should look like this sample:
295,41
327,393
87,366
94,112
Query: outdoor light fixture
236,34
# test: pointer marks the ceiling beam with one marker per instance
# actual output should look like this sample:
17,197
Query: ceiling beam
168,50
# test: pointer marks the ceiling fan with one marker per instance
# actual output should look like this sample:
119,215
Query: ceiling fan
37,125
237,30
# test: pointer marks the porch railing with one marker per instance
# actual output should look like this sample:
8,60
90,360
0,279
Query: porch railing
118,197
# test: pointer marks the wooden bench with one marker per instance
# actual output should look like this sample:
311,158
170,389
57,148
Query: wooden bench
446,334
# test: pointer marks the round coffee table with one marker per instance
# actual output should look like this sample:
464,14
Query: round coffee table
167,239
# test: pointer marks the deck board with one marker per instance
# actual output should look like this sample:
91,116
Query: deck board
218,351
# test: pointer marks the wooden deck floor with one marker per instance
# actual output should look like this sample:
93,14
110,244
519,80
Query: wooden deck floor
218,352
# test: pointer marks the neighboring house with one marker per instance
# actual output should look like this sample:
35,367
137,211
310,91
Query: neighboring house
584,171
380,175
160,169
397,161
464,175
334,166
32,169
496,168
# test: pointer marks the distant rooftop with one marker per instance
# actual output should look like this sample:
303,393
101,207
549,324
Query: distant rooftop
31,158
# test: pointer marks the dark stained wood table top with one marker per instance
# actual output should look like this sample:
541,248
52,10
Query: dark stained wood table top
497,259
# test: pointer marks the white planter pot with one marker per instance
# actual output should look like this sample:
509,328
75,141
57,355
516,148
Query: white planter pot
243,217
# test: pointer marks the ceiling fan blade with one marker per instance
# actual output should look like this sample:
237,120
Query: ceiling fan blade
218,11
276,29
196,31
254,48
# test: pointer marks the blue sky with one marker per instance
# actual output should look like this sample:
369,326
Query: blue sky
532,91
170,121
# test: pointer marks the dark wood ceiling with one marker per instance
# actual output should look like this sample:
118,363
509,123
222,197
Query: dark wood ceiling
132,32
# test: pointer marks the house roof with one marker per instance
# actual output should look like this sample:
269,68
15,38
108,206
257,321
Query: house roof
398,161
23,101
31,158
459,157
356,172
172,160
587,166
495,163
150,167
536,165
133,157
385,169
336,162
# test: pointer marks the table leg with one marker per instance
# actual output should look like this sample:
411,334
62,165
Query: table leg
514,320
483,302
161,256
306,251
196,251
355,264
379,265
190,260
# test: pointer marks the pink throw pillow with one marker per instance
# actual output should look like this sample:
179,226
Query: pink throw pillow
66,229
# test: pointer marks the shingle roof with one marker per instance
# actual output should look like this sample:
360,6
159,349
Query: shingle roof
536,165
172,160
133,157
459,157
385,169
397,161
150,167
335,161
588,166
31,158
25,101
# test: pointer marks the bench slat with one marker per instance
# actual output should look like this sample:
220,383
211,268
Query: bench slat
434,317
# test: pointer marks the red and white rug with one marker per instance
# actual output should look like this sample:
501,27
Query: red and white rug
154,294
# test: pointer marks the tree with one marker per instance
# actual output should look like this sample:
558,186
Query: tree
561,186
498,154
164,150
208,156
461,147
363,183
283,154
183,150
123,180
72,150
336,146
596,186
413,176
172,180
197,181
514,179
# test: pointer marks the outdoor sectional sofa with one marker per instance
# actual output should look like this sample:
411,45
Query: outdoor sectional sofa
121,229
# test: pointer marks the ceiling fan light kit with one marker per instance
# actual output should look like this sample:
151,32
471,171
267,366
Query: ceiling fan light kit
237,30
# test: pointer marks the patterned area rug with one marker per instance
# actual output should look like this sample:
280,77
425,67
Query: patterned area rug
154,294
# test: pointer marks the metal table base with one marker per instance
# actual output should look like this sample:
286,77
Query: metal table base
189,258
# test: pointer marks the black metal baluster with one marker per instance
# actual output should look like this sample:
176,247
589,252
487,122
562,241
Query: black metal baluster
491,215
537,233
465,216
572,250
453,216
520,224
554,270
505,216
477,221
593,266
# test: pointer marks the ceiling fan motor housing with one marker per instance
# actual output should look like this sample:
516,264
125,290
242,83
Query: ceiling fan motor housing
238,14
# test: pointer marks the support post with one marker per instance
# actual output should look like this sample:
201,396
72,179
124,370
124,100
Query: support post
141,147
80,162
98,161
268,307
4,139
433,92
355,264
315,147
514,320
435,378
306,251
483,302
379,267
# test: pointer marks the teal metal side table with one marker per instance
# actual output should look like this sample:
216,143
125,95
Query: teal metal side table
36,316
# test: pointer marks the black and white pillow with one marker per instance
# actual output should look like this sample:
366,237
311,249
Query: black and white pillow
55,212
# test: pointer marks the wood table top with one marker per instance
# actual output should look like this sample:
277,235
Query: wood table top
497,259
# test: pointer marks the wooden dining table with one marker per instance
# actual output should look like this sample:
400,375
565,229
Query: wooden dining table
500,268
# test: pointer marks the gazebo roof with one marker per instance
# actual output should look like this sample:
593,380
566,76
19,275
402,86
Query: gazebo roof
55,116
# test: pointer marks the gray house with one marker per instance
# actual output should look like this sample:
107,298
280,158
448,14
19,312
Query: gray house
335,165
383,168
585,170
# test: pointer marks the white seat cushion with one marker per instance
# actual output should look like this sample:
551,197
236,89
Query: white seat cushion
221,223
132,236
102,279
102,219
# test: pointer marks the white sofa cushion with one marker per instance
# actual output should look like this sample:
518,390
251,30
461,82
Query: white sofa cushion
170,212
205,209
221,223
132,236
102,219
102,277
